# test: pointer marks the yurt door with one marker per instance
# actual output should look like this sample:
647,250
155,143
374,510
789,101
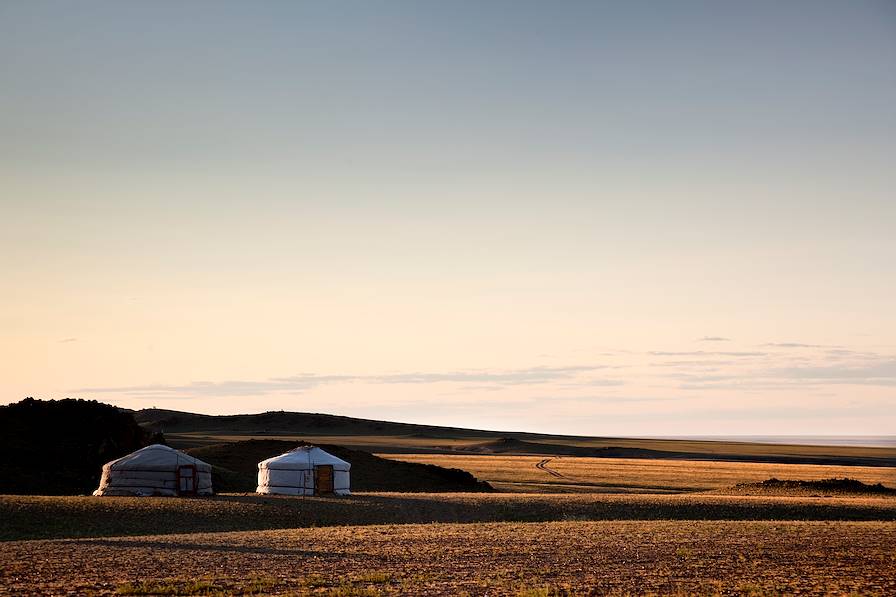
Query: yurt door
186,479
323,481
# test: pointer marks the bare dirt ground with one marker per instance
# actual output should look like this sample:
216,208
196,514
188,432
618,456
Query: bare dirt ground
621,557
688,536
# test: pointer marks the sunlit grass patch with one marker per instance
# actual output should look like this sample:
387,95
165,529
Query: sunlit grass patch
171,587
348,589
205,587
315,581
374,577
356,586
547,591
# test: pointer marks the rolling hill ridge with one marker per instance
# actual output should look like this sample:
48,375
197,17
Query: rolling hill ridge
190,430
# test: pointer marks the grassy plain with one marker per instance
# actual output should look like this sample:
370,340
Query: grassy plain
602,557
648,516
49,517
633,475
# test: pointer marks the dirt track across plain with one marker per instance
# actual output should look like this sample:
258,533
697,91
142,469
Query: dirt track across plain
543,465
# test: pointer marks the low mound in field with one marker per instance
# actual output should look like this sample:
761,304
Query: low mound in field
511,445
506,445
822,487
236,469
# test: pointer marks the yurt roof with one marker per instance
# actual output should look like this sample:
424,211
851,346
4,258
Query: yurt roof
156,457
300,458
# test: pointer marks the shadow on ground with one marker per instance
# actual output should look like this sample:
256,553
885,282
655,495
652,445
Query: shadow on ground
42,517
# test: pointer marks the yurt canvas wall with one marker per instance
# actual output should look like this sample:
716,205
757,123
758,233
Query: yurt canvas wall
304,471
156,470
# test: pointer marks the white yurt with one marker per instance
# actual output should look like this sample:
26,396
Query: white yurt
156,470
307,470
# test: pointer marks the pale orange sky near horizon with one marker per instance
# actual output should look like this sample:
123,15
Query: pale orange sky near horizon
596,219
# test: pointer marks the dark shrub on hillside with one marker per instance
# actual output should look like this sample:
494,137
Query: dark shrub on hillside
844,485
59,446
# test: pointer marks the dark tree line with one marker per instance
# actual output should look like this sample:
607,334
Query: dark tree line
57,447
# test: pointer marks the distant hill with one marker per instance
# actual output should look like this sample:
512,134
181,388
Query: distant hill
283,422
187,430
237,469
54,447
509,445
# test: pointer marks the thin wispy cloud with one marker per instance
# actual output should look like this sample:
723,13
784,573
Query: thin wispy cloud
882,373
307,381
68,340
661,383
695,353
794,345
713,339
687,370
845,354
694,363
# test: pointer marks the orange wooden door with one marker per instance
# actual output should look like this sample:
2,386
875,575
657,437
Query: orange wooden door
323,481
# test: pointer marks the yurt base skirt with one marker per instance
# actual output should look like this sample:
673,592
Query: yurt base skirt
147,491
146,483
138,492
280,490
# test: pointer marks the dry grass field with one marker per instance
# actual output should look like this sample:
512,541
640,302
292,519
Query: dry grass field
50,517
608,557
564,524
579,474
526,544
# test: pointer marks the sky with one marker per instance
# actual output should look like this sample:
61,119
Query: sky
598,218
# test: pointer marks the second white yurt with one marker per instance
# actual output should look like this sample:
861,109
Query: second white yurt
156,470
307,470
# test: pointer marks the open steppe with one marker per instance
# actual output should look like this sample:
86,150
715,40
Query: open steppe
39,517
616,557
571,516
635,475
495,544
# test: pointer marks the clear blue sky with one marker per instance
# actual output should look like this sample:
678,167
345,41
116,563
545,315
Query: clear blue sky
614,218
